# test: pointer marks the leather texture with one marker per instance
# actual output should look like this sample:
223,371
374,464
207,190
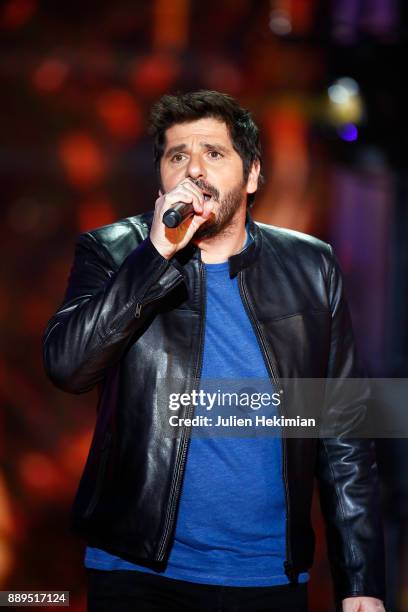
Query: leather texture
130,320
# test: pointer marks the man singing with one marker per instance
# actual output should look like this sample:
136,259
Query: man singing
188,522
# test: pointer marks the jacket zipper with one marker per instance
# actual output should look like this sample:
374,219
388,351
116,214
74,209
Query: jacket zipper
179,469
100,475
104,450
289,570
141,304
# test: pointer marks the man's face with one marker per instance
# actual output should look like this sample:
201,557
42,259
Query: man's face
202,150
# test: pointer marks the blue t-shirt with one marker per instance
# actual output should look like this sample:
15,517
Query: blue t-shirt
230,526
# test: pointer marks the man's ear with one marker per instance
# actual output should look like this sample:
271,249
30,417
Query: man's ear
252,182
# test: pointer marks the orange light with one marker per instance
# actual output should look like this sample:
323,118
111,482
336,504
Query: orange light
170,24
302,15
74,449
154,75
7,532
285,200
50,75
82,159
94,213
38,473
121,113
287,128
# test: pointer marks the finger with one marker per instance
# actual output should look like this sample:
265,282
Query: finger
194,188
186,186
190,183
198,197
184,194
188,194
173,197
198,220
208,208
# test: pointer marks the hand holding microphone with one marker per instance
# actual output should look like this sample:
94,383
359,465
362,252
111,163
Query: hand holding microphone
178,215
174,216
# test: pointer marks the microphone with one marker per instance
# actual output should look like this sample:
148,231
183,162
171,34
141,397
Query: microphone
174,216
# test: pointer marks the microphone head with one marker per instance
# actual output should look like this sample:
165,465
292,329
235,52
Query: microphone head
172,218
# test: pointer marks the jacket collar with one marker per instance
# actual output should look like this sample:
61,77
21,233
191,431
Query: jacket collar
236,262
247,257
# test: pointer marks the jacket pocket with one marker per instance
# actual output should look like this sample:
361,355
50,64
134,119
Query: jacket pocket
100,474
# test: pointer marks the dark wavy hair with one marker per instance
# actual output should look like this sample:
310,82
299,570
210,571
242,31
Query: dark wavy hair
185,107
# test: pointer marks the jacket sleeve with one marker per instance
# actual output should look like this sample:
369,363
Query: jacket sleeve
104,305
346,468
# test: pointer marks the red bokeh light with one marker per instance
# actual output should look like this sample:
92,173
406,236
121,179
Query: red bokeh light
82,159
73,452
121,113
17,12
50,75
39,474
154,75
223,76
94,213
287,128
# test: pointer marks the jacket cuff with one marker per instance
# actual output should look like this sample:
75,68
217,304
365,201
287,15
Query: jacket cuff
160,275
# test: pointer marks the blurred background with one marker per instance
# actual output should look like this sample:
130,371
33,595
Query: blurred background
325,82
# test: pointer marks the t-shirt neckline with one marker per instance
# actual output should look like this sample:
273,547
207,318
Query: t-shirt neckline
224,265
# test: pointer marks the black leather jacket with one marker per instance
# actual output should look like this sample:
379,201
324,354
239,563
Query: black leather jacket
130,319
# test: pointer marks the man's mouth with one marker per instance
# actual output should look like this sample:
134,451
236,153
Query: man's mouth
208,195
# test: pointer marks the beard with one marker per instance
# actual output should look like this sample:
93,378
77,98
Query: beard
220,222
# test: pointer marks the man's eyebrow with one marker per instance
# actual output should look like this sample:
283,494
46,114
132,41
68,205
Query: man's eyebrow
214,145
176,149
206,145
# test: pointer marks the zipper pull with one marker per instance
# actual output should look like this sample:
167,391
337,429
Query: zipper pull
138,310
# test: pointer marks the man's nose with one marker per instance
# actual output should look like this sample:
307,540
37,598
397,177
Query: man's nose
195,168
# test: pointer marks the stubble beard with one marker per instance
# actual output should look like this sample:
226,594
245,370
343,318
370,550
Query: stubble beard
221,223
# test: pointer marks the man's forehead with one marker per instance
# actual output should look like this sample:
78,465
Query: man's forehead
208,127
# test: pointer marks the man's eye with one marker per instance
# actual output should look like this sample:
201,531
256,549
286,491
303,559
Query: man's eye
178,157
215,155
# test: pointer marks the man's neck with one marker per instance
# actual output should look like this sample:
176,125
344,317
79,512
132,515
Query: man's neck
220,248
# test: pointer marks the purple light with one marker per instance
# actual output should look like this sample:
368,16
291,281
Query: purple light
348,132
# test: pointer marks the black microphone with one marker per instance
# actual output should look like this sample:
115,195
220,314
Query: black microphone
174,216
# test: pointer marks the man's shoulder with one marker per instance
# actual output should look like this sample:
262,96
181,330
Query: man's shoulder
137,225
122,236
293,243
